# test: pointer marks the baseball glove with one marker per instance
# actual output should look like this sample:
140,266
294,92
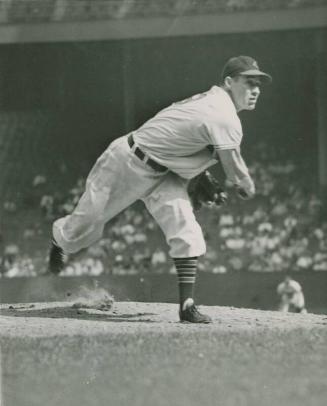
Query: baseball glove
205,189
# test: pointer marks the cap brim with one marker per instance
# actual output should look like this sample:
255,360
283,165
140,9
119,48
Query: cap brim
255,72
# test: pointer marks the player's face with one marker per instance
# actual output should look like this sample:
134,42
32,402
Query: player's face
245,91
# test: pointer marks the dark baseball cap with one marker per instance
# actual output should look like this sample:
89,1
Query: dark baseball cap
244,66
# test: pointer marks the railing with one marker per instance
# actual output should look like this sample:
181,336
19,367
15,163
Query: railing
37,11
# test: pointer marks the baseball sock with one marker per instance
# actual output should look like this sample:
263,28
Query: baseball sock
186,271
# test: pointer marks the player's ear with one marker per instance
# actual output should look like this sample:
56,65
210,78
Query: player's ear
228,82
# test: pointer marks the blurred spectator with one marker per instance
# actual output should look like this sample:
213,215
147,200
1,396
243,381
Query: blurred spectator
9,256
281,230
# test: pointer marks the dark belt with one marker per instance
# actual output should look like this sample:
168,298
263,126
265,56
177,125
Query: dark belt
141,155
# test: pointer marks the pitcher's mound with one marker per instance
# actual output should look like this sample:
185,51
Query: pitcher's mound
89,316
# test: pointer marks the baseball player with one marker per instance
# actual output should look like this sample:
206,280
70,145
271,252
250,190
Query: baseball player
291,296
156,163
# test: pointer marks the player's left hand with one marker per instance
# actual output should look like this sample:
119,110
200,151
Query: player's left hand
206,190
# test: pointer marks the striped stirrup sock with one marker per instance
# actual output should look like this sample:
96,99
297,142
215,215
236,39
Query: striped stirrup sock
186,272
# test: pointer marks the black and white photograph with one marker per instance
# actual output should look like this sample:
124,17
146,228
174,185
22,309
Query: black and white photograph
163,202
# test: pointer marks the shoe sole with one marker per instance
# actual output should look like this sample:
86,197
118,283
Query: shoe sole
195,322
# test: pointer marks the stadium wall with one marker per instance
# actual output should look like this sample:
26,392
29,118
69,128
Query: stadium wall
238,289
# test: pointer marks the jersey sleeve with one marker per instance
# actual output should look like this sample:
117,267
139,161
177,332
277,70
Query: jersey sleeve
295,286
235,168
225,135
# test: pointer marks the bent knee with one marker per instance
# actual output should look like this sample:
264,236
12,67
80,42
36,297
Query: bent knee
73,238
187,246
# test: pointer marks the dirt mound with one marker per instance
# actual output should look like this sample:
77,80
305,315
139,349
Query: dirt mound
92,315
69,353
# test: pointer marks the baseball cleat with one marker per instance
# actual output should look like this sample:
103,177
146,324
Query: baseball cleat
190,314
57,259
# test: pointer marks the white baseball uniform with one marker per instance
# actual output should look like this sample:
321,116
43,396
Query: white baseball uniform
176,138
291,296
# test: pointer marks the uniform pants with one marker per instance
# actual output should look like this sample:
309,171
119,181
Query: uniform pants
117,180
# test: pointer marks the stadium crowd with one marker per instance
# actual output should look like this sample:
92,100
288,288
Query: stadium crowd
282,229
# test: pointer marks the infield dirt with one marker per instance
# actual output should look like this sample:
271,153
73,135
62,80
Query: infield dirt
139,354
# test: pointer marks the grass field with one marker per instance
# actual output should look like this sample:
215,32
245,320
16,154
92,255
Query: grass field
138,354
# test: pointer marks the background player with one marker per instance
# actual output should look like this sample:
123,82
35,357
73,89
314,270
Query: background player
155,164
291,296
